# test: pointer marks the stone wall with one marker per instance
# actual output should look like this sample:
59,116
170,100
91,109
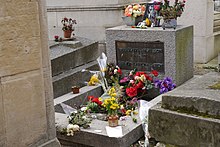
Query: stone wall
26,98
199,13
93,16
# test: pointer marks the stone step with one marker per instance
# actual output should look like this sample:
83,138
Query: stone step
71,54
76,100
182,129
62,83
195,96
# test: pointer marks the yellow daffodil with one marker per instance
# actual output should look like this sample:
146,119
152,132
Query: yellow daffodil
93,80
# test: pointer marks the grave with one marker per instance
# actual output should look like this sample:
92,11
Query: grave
90,137
189,115
168,51
68,59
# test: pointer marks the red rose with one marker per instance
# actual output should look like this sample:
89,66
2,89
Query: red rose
131,91
139,73
140,85
154,72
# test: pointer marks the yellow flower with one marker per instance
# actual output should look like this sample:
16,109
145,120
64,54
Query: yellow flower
93,80
113,99
128,112
135,112
111,91
100,99
113,94
112,107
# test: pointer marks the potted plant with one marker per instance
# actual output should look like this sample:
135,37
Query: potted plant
112,107
170,13
133,14
68,27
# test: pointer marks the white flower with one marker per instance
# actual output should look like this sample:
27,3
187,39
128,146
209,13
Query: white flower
131,81
115,71
83,109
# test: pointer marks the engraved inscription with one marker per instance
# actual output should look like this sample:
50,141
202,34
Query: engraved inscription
144,56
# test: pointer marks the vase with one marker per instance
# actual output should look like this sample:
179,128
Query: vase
169,23
113,121
132,21
67,33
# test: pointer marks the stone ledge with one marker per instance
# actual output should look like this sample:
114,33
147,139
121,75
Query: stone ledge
76,100
195,97
182,129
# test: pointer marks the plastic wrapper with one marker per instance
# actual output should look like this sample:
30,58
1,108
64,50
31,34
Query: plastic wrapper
144,107
67,109
102,61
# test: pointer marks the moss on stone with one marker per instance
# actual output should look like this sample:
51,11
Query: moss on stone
215,86
190,110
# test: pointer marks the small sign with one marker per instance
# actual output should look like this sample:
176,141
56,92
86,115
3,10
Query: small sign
144,56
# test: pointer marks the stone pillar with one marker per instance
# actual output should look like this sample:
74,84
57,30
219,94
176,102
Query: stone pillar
200,14
26,98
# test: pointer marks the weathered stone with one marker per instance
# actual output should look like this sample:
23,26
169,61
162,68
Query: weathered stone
195,96
2,118
178,47
76,100
63,83
64,58
26,100
183,129
17,53
47,76
28,115
89,137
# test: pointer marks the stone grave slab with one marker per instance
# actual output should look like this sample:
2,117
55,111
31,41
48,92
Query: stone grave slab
189,115
90,137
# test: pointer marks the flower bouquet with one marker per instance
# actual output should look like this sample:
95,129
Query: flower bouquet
133,14
170,13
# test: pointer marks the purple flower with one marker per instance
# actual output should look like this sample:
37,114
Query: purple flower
164,85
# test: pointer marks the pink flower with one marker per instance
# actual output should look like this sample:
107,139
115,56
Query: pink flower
157,7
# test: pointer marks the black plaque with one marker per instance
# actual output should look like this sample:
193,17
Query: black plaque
144,56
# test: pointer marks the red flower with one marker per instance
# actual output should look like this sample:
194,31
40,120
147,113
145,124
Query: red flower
90,97
123,111
119,71
139,73
149,78
140,85
97,101
131,91
154,72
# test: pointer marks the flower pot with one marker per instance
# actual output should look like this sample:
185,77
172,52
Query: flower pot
132,21
169,23
67,33
113,121
75,89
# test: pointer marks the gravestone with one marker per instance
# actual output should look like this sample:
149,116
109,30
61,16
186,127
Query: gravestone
168,51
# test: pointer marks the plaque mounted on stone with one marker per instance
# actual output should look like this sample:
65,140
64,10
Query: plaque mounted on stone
144,56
